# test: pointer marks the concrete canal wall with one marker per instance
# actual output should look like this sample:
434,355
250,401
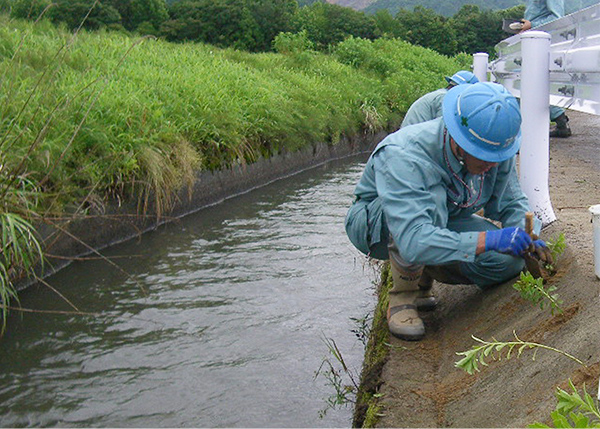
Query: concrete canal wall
106,226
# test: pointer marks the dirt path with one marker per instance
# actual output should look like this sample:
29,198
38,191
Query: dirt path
421,386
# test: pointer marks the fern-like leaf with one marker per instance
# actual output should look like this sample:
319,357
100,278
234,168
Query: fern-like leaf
478,354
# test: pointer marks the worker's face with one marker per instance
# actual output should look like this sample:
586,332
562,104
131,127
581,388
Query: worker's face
475,165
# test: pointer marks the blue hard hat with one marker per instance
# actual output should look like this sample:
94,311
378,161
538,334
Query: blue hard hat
484,119
461,77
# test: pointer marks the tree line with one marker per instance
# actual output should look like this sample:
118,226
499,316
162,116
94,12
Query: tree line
253,25
443,7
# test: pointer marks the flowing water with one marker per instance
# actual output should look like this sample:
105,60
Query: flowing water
216,320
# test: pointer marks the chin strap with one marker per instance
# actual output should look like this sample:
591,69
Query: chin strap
460,159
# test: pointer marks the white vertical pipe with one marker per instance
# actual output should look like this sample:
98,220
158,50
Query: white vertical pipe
480,66
535,146
595,211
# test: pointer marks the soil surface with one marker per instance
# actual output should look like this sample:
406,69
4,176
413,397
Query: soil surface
421,385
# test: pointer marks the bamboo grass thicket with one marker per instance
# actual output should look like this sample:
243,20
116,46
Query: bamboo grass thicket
94,116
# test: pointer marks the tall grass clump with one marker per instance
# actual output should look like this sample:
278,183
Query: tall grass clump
90,119
406,71
114,109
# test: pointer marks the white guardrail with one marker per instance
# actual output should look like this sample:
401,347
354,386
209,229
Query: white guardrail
573,82
574,61
555,64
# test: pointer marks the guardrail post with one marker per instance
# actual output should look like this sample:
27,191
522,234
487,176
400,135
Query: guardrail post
534,159
480,66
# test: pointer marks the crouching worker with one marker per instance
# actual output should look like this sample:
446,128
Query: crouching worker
429,106
417,198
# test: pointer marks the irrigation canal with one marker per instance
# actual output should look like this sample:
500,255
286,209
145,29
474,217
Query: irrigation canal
217,320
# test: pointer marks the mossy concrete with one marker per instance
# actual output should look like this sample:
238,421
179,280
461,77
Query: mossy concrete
368,407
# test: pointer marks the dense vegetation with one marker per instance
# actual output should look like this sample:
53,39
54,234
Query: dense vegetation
450,7
445,8
252,25
471,30
94,117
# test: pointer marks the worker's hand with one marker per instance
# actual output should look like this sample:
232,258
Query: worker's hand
542,252
512,241
526,25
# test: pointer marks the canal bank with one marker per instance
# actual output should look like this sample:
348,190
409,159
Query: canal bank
216,320
406,384
103,226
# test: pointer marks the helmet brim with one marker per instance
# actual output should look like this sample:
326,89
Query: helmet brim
461,135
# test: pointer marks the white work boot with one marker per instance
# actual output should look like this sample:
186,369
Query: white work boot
426,300
402,316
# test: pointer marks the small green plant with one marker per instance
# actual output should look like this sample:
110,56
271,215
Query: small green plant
557,247
339,376
363,328
533,290
495,350
573,410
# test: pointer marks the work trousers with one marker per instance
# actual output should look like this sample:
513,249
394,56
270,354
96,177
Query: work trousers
367,230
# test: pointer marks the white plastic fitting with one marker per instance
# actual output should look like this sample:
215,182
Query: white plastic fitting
480,66
595,211
535,144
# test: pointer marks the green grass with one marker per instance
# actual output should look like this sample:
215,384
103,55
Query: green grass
115,103
91,117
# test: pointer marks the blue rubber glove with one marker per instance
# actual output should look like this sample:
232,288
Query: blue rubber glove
513,241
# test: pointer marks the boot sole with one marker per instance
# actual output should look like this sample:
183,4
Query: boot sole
406,337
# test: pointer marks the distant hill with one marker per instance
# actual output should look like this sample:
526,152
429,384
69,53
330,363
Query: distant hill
447,7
